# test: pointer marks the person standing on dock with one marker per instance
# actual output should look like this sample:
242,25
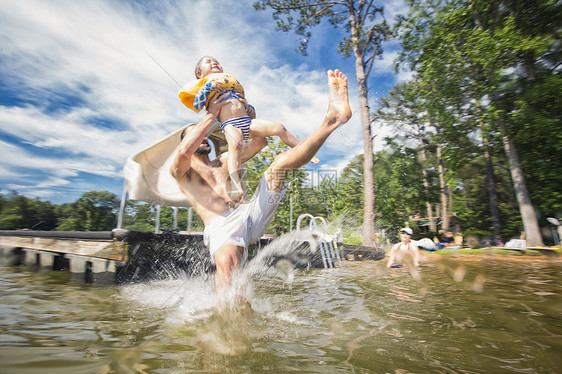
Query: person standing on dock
231,226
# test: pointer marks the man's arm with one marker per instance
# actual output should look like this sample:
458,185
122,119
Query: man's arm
249,149
416,255
193,139
252,148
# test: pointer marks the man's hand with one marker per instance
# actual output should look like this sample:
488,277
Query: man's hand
216,103
251,111
219,88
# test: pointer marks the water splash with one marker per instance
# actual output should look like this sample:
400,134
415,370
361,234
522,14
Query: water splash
189,295
219,323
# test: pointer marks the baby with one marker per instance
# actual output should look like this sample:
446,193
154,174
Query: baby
237,117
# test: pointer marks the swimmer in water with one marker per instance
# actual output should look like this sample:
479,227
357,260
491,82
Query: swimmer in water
405,251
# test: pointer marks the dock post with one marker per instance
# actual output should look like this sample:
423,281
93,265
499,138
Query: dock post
189,219
122,207
175,224
103,271
157,226
78,266
47,259
12,256
31,257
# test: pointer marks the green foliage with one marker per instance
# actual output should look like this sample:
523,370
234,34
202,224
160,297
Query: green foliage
399,185
352,237
481,64
93,211
19,212
348,191
536,131
139,216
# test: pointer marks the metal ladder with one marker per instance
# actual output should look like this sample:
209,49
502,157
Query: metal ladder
327,243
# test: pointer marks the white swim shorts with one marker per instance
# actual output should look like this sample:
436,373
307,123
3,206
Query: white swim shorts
245,224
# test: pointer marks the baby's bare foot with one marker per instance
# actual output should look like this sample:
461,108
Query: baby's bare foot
237,193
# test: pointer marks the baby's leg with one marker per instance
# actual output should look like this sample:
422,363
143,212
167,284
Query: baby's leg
264,128
235,140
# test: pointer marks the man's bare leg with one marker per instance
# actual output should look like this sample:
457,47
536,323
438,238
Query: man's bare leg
264,128
227,260
338,113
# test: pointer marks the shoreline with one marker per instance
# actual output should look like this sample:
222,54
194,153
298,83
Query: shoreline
547,254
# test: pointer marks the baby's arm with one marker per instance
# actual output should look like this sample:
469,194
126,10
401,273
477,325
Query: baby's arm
203,95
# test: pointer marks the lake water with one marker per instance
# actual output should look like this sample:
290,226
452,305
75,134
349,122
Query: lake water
475,315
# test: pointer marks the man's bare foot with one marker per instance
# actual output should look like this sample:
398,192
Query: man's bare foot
315,161
339,111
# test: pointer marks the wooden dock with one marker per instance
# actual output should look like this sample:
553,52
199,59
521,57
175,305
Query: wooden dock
104,257
119,256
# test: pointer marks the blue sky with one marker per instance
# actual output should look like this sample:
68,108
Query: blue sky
85,84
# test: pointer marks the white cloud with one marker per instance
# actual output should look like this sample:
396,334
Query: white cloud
393,8
52,182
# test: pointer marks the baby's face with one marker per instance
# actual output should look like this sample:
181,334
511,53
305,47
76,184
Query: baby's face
209,66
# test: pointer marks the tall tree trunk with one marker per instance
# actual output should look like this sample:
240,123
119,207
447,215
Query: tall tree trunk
444,196
369,177
490,180
423,158
528,215
451,211
492,193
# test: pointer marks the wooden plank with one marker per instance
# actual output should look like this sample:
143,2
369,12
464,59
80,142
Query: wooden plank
108,249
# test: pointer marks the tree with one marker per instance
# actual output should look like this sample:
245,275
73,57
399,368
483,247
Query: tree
93,211
140,216
405,109
2,201
400,190
43,215
538,123
16,212
467,46
472,203
344,194
20,212
366,30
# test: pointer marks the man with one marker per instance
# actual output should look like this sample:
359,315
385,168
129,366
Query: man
230,226
404,252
